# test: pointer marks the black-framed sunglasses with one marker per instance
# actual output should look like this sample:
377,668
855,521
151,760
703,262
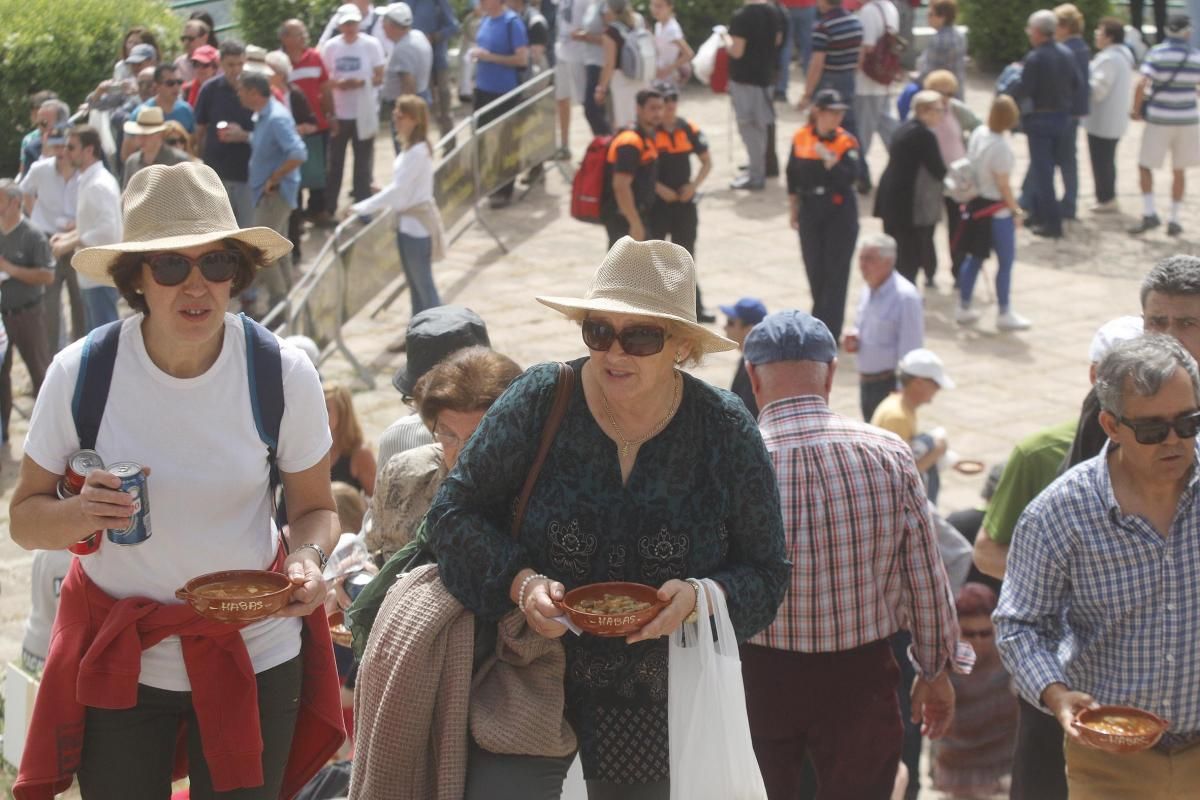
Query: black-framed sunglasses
636,340
172,269
173,82
1156,431
185,38
175,142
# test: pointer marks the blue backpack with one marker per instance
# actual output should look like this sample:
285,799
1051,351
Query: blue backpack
264,370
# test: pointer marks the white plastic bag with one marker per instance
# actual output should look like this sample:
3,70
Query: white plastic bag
712,757
705,60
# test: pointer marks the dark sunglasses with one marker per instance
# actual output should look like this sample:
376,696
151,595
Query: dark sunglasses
186,38
175,142
977,634
1156,431
636,340
172,269
173,82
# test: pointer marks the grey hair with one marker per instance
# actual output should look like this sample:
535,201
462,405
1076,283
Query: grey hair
926,98
61,110
256,82
883,245
10,189
1044,22
1146,362
1174,276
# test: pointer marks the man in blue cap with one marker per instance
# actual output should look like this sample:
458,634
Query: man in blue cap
739,319
822,677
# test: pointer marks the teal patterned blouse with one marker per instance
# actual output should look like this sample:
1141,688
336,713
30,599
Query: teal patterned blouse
701,501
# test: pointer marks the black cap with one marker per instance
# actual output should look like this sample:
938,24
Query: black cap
434,334
830,100
1178,22
665,88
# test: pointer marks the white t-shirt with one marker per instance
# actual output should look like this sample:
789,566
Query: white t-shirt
874,16
990,153
208,491
356,60
666,41
45,581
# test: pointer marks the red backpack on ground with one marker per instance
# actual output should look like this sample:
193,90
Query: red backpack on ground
587,188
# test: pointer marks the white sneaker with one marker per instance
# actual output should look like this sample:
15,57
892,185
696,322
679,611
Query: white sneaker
1010,321
965,315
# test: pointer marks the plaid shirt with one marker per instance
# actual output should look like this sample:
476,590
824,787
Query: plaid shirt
1103,603
859,536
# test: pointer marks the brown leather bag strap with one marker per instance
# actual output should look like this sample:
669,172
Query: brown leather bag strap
562,397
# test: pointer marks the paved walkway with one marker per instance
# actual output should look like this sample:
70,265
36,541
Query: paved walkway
1010,385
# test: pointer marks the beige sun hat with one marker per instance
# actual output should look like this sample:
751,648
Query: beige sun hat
651,279
173,208
149,120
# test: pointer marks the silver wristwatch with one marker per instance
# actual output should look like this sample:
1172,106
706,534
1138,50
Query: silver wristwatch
316,548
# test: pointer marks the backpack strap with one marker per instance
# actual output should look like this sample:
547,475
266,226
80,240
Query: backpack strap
264,372
93,382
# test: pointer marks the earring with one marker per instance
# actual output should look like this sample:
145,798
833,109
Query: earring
138,291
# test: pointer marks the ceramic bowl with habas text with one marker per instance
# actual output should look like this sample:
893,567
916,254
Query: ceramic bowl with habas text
612,609
241,595
1119,729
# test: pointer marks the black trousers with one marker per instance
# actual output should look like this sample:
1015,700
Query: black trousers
1039,770
872,392
828,234
364,164
616,226
597,116
27,335
1160,17
481,99
64,275
914,250
678,222
1103,153
129,753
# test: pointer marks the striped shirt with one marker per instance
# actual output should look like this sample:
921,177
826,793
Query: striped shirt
1100,601
859,535
1172,101
838,34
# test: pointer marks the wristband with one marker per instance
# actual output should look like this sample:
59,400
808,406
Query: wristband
524,586
695,615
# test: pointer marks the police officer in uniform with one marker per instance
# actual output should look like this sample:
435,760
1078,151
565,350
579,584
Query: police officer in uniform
821,171
632,172
675,214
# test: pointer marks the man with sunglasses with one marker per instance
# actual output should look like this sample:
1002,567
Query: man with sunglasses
631,173
1101,599
167,84
196,34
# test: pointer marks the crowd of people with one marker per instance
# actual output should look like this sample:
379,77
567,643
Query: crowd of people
869,621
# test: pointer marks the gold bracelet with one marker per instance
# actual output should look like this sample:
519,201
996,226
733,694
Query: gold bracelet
695,615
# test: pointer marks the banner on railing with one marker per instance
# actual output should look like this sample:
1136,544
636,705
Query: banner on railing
454,178
519,133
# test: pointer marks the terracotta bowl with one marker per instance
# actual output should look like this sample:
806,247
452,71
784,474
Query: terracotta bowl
612,624
240,595
968,466
338,630
1150,729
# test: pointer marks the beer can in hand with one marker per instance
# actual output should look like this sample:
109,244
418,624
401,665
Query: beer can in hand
133,480
78,467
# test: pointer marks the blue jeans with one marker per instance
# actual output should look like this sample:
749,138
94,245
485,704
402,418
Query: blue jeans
99,307
922,444
416,256
1004,243
799,34
1044,132
844,82
1065,159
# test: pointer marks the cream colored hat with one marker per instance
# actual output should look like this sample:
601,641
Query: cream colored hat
149,120
173,208
651,279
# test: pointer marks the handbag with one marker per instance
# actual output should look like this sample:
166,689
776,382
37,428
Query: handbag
927,199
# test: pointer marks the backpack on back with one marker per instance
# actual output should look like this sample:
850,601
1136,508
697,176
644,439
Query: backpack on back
638,59
881,61
587,187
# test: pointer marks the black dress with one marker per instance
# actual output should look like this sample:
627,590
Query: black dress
913,146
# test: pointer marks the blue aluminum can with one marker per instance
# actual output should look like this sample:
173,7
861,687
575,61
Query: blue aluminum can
133,480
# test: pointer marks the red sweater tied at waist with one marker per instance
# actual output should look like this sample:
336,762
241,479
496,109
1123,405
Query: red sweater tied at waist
95,660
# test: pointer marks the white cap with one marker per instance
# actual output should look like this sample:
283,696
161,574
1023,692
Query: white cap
400,14
308,347
1112,333
347,13
925,364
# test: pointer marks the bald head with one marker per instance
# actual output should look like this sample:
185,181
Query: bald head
293,35
779,380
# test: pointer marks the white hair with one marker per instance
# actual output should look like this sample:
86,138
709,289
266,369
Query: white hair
881,244
1044,22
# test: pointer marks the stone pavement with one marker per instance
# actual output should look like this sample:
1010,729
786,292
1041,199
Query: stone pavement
1009,385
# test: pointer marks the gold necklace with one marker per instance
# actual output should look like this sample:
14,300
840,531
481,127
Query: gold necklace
627,443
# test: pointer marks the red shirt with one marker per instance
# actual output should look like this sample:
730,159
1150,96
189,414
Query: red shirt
95,659
309,75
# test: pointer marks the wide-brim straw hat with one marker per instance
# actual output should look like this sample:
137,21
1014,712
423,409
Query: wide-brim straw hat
174,208
650,279
149,120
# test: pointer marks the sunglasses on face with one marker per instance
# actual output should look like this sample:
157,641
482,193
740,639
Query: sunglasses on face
173,82
1156,431
172,269
175,142
185,38
636,340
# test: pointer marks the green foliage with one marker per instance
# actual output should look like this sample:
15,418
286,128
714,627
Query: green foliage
997,27
697,17
66,47
258,20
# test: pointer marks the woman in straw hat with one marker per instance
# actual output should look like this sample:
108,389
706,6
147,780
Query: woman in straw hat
260,710
654,477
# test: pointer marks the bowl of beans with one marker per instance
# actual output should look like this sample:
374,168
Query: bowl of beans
240,595
612,609
1119,729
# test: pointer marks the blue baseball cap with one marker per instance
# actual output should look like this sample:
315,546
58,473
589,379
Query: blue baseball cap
749,310
790,335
